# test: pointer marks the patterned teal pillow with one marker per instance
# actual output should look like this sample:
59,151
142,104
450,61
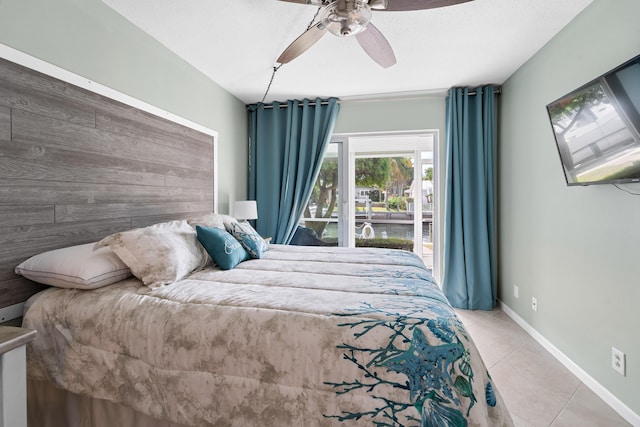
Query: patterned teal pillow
248,238
222,247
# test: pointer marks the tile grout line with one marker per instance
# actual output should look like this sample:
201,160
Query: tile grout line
566,404
503,358
494,319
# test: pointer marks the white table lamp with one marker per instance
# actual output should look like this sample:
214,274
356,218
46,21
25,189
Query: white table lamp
245,210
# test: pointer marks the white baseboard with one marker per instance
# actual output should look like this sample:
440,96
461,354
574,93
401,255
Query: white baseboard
11,312
587,379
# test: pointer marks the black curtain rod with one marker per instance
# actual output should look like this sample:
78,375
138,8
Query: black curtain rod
285,105
496,91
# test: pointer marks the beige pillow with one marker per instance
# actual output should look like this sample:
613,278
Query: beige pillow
75,267
159,254
211,220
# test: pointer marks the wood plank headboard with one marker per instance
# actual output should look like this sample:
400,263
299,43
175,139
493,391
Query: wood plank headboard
76,166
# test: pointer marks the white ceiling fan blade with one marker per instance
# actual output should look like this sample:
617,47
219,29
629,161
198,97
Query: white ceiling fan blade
302,43
404,5
376,46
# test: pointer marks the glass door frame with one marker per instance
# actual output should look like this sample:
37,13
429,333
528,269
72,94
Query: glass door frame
372,143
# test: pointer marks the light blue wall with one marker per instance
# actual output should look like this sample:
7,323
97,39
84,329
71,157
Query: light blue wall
574,248
89,39
392,115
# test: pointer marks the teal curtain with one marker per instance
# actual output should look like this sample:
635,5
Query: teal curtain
469,279
287,142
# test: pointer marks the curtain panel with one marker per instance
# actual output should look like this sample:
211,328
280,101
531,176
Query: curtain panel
287,142
469,279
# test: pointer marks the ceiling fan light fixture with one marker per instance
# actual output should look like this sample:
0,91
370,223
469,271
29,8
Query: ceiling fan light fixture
345,18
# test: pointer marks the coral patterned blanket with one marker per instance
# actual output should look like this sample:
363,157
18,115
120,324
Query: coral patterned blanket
301,337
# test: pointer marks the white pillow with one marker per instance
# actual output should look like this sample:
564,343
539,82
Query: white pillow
159,254
75,267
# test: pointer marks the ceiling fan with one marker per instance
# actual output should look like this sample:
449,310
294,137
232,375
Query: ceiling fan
345,18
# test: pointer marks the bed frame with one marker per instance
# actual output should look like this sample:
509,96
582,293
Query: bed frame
76,166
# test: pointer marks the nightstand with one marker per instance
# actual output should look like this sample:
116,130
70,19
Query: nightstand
13,375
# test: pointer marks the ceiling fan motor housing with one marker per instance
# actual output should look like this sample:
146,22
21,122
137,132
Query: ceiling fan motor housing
346,17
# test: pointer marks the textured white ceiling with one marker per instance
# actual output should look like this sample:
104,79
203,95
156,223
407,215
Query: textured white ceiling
236,43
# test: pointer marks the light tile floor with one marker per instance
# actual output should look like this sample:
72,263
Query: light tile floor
537,389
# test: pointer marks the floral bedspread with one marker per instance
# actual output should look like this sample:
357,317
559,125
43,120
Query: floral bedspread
301,337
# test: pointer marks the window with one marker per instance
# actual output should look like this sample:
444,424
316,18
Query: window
321,216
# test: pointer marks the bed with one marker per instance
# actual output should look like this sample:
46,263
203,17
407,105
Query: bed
322,336
319,336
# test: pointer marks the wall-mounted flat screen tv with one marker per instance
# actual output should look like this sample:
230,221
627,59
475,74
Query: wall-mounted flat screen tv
597,128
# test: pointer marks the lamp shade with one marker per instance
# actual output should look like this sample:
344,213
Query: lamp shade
245,209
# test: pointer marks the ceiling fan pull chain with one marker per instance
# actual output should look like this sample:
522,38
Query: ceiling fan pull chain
314,18
275,69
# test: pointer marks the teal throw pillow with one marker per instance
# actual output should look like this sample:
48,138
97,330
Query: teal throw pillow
222,247
248,238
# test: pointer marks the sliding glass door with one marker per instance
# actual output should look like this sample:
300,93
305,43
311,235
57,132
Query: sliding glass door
376,190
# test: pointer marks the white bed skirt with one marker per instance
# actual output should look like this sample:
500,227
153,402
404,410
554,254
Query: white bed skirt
48,406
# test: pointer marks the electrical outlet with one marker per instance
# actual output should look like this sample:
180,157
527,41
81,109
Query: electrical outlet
618,362
534,304
515,291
